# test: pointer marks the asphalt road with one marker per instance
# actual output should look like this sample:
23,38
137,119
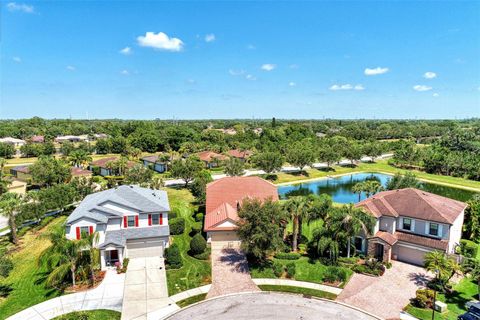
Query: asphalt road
267,306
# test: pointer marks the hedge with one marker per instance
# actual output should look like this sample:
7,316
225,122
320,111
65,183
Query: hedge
198,244
173,257
177,226
287,255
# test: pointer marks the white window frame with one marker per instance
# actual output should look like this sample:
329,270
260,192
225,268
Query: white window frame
439,229
412,224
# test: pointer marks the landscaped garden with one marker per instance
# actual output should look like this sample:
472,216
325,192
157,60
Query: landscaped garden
91,315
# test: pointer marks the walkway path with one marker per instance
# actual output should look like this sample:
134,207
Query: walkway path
108,295
230,272
302,284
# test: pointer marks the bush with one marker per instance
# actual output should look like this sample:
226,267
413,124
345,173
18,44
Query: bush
199,217
334,274
198,244
423,298
468,248
173,214
173,257
203,256
277,268
351,260
287,255
291,269
6,265
177,226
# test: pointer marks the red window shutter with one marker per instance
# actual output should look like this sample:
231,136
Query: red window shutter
125,222
78,233
136,221
149,219
161,218
91,229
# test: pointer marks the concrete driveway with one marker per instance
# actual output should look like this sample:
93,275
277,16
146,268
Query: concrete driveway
267,306
230,272
145,288
387,295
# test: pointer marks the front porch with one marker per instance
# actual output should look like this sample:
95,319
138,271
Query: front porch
110,256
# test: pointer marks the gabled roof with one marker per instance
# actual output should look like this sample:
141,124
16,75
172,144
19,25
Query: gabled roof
209,156
22,169
136,198
119,237
414,203
79,171
224,195
387,237
236,153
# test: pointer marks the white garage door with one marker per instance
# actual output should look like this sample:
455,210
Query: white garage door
145,248
411,255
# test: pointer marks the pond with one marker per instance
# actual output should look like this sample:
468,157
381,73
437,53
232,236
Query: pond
340,188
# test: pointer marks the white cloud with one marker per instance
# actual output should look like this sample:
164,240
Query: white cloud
13,6
160,41
209,37
337,87
292,84
124,72
375,71
429,75
421,88
268,66
435,94
250,77
71,68
126,51
251,47
17,59
236,72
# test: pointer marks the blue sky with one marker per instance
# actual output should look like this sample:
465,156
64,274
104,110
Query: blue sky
230,59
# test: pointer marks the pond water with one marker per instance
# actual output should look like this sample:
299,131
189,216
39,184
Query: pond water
340,188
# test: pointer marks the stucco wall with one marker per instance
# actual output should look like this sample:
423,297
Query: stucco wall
456,232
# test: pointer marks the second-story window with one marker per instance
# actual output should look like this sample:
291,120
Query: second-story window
433,229
155,219
407,224
131,221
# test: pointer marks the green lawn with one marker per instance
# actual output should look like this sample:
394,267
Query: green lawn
191,300
465,291
194,273
306,270
26,278
299,290
380,166
91,315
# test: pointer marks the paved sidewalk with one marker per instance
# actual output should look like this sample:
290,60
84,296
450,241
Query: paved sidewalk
301,284
146,293
108,295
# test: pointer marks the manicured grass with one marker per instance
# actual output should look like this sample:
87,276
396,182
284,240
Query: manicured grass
299,290
194,273
186,302
306,270
27,278
380,166
465,291
92,315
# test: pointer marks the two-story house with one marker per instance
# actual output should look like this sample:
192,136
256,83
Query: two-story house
410,223
131,222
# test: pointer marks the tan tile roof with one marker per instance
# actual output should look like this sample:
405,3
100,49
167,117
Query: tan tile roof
422,241
387,237
209,156
224,194
413,203
152,158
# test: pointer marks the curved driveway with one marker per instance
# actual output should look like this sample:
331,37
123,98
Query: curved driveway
267,306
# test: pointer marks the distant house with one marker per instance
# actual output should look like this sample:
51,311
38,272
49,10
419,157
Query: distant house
211,158
223,200
37,139
257,131
100,136
102,164
13,141
410,223
80,173
320,135
154,163
21,173
240,154
131,222
70,138
17,186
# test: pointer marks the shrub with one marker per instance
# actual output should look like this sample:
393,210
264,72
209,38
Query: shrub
177,226
334,274
468,248
194,231
198,244
388,265
6,265
173,214
423,298
277,268
287,255
291,269
199,217
5,290
203,256
173,257
351,260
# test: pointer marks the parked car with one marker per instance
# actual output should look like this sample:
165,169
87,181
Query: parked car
473,313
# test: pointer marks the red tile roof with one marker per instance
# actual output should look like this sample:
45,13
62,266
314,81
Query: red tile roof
387,237
236,153
413,203
422,241
225,194
209,156
79,171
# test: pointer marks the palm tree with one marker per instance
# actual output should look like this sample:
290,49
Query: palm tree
373,187
298,209
10,204
330,237
91,245
79,158
353,221
359,188
444,266
121,165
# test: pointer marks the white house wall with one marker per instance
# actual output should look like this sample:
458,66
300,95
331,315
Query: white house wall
456,232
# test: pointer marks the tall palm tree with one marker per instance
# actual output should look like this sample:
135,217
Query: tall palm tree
353,221
297,207
121,165
79,158
443,265
372,187
330,237
10,204
359,188
91,245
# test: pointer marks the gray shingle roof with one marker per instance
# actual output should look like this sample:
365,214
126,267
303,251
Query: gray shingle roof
133,197
120,237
